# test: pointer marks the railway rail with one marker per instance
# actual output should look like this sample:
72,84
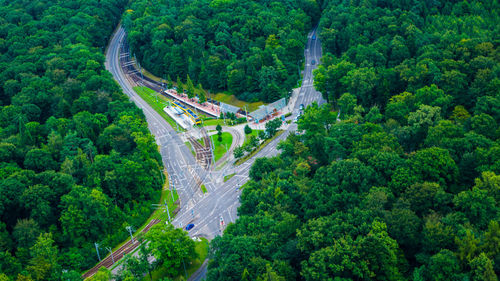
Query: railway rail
128,247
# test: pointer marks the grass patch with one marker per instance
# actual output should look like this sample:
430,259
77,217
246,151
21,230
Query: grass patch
201,248
220,146
157,101
253,133
233,100
244,185
188,144
228,177
262,145
203,188
213,122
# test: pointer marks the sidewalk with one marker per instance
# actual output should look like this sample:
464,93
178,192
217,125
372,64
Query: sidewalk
206,107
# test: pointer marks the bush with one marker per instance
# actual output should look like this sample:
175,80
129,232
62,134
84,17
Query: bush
248,130
238,152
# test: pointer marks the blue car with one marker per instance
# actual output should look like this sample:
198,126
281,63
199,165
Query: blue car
189,226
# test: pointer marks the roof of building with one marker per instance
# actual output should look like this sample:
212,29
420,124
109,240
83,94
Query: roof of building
265,110
224,107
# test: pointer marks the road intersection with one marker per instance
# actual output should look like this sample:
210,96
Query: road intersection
212,211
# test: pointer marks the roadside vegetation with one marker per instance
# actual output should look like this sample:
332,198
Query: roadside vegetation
403,187
221,145
203,188
77,162
176,255
158,102
233,100
228,177
254,54
255,140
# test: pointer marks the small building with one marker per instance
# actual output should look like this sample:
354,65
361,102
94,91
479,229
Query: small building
268,111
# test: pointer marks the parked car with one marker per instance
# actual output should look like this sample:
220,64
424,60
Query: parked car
189,226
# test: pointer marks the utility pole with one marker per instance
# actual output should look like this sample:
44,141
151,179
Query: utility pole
212,146
97,249
246,112
171,182
168,213
111,251
129,228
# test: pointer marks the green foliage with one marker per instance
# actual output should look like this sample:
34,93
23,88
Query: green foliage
272,127
251,48
77,161
238,152
247,130
171,247
405,186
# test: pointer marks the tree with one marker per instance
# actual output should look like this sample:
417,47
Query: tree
180,87
346,103
25,233
201,94
138,266
87,213
443,266
270,275
482,269
379,251
218,128
272,127
190,88
170,83
103,274
477,206
434,164
238,152
247,130
485,125
171,247
39,160
43,264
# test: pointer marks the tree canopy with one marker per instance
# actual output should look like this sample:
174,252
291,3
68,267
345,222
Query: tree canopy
405,185
77,161
253,49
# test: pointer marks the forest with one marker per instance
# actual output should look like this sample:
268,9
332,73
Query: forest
77,162
252,49
407,185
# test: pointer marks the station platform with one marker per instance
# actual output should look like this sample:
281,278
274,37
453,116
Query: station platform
185,122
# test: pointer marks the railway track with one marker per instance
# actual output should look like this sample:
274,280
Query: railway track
118,254
203,153
135,76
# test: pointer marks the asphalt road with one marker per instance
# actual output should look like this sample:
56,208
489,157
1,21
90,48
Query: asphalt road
212,211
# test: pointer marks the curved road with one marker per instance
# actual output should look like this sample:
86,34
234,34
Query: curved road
212,211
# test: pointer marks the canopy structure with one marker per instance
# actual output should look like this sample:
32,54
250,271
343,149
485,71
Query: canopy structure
178,110
224,107
265,111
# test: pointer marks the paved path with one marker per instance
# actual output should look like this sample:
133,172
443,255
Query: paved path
212,211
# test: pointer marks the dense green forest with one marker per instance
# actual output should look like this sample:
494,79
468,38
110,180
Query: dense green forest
77,162
253,49
407,185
